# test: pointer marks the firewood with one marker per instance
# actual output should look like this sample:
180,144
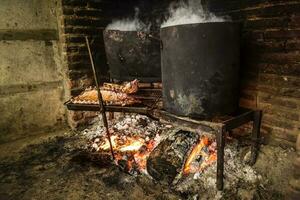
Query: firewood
168,158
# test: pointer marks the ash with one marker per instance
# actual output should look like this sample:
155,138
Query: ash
133,137
129,124
238,177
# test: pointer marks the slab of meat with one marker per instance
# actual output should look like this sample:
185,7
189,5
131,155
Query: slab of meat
128,87
112,94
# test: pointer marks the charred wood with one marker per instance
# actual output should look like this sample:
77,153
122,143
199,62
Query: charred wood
167,159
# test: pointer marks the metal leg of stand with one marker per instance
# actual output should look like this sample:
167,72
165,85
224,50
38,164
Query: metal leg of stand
257,115
220,157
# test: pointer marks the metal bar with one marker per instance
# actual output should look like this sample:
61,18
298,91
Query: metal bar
257,115
111,115
101,104
220,157
153,98
139,110
239,120
95,107
185,121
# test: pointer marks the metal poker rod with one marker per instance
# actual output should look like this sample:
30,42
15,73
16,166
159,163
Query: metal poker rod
101,104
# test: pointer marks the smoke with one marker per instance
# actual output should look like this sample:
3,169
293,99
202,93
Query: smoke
189,13
129,24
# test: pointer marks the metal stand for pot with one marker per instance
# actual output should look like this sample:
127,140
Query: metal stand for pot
251,115
220,129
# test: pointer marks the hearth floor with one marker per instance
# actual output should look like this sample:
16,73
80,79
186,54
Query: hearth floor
58,168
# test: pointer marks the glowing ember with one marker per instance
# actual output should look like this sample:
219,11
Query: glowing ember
202,156
106,146
133,139
133,150
133,145
119,144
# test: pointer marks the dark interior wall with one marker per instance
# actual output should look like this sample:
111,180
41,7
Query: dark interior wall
270,61
270,69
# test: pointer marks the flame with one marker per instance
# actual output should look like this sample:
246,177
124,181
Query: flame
208,158
132,146
134,149
106,145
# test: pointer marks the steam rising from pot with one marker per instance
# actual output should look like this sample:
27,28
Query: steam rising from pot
129,24
189,13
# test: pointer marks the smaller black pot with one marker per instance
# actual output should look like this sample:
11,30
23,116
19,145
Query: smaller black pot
133,55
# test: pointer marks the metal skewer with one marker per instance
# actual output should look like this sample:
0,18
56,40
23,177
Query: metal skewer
101,104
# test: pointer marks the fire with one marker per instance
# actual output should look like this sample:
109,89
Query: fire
129,144
132,146
134,150
106,146
204,152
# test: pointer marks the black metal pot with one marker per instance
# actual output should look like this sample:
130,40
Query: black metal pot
133,54
200,68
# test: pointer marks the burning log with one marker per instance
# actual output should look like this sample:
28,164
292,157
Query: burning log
131,152
167,159
181,153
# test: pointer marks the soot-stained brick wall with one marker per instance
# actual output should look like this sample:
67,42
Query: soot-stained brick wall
270,66
83,18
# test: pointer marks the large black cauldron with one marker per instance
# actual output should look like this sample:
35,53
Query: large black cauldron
132,54
200,68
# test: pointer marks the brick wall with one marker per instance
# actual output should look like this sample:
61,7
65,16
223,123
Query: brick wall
294,183
270,61
83,18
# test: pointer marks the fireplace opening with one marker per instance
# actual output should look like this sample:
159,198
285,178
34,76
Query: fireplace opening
139,99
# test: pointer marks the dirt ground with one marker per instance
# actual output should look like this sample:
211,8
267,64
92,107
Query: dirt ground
60,168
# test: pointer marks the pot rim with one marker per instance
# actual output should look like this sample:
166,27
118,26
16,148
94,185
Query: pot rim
196,24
